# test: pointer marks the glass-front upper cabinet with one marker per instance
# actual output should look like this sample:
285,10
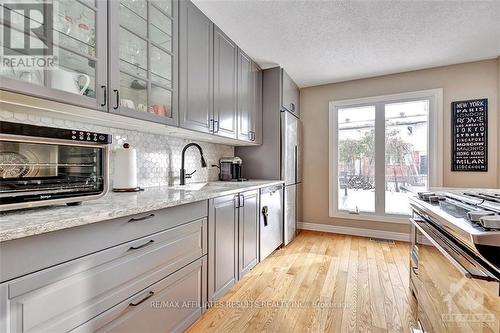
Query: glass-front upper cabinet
56,49
143,46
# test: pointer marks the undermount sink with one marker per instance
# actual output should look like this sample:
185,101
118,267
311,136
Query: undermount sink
196,187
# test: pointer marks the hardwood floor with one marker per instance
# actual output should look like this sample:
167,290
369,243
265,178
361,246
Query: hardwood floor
320,282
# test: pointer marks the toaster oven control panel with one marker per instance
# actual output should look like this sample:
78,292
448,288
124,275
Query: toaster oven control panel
89,136
53,133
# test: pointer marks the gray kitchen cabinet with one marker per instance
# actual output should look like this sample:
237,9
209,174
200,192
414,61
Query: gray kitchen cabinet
245,95
257,103
169,305
159,61
222,245
195,69
78,54
225,85
289,94
249,99
233,236
88,286
27,255
248,231
143,53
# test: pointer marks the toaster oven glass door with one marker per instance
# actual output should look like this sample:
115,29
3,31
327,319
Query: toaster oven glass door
32,171
449,299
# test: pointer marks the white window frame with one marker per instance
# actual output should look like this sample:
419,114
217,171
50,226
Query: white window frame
435,148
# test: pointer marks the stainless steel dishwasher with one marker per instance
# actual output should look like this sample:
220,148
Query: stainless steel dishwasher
271,219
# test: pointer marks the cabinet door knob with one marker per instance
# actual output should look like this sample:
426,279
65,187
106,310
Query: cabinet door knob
292,107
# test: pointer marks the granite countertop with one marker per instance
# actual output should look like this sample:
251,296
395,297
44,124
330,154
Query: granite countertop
34,221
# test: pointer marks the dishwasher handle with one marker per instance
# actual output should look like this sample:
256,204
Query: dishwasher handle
271,189
265,213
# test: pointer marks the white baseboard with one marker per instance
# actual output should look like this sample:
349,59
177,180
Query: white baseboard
355,231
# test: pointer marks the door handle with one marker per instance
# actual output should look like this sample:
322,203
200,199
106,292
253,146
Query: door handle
149,295
117,101
137,219
236,201
265,213
292,107
242,201
105,93
296,163
151,241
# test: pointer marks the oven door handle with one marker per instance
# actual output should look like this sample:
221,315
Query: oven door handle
475,274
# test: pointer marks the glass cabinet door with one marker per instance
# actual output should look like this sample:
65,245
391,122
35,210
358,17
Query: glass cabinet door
67,61
143,52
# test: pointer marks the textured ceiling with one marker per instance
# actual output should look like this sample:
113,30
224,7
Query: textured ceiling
320,42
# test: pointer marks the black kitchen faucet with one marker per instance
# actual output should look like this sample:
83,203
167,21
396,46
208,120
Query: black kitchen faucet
183,174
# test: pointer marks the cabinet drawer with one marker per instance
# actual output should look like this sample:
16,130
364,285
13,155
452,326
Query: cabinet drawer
170,305
26,255
65,296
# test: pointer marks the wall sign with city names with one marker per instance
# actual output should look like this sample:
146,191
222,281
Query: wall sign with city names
469,135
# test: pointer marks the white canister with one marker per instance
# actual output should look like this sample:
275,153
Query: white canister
125,175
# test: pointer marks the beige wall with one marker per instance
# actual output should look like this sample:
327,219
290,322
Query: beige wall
459,82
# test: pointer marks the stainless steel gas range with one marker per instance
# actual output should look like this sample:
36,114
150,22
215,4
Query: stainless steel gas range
455,260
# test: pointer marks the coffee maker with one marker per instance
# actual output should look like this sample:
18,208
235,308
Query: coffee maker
230,169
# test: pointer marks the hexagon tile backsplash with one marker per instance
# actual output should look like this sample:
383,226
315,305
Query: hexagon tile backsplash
158,156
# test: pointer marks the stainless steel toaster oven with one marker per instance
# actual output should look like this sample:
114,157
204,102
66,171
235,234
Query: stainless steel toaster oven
44,166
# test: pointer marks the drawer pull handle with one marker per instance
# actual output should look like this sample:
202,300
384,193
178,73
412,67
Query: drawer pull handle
137,219
141,246
149,295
